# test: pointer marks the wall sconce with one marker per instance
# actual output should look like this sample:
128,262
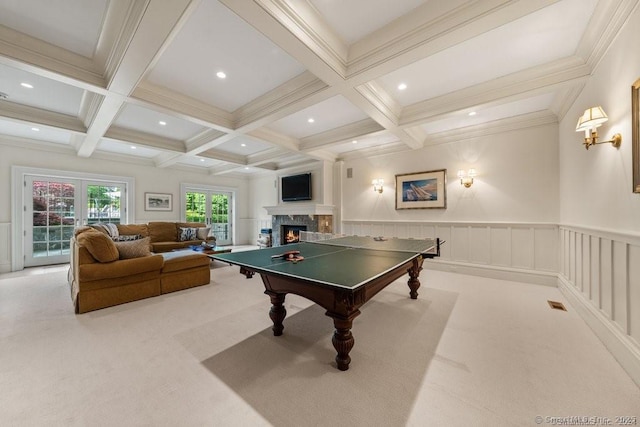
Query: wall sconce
466,179
377,185
593,118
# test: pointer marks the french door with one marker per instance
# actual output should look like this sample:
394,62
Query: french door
211,207
55,206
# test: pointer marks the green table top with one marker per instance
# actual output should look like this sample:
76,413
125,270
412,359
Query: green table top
347,262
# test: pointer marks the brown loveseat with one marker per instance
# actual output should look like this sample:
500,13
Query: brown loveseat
104,272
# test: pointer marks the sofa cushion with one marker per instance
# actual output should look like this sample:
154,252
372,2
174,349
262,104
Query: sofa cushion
160,231
183,260
134,248
99,245
133,229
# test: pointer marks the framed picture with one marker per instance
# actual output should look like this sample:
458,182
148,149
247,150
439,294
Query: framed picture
635,134
422,190
158,202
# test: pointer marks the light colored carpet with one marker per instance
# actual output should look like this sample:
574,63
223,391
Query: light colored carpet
469,351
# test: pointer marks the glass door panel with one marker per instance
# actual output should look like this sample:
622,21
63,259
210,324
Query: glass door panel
51,217
103,202
211,208
220,218
57,206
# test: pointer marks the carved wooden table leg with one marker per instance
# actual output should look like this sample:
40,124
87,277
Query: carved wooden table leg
414,272
343,342
277,312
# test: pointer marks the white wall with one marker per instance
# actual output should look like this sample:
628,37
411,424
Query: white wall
599,213
147,177
516,182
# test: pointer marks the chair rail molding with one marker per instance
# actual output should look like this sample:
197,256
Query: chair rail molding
504,250
600,274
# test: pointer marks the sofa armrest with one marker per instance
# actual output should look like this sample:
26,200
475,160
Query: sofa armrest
120,268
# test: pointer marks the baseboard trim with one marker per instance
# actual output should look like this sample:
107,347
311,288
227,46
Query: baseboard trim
619,344
493,272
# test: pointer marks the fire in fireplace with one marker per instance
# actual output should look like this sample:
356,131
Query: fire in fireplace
291,233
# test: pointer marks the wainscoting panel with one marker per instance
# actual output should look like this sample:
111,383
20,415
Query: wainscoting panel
5,247
516,251
600,274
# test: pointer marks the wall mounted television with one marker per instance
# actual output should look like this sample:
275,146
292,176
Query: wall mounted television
296,187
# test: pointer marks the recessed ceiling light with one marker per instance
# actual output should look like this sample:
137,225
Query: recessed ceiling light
354,141
27,85
162,123
246,168
402,86
35,129
243,145
133,147
202,160
473,113
221,75
311,120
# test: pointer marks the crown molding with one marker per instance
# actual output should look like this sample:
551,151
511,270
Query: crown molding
309,27
605,24
340,135
302,91
539,118
504,89
120,25
204,138
385,150
156,142
164,100
29,54
565,98
279,140
36,116
415,36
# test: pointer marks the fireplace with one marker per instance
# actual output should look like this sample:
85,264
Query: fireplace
291,233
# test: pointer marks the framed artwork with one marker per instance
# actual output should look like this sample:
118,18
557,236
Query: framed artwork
422,190
635,134
158,202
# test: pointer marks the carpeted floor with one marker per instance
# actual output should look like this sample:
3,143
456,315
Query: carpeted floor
469,352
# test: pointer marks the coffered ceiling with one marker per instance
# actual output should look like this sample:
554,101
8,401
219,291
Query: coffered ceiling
247,86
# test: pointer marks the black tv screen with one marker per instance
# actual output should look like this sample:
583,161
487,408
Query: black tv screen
296,187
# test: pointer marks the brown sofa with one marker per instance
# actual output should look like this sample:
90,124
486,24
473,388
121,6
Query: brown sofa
104,272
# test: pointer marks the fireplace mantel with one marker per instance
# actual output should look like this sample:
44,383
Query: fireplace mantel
294,208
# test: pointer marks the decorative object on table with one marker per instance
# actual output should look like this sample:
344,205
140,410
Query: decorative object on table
158,202
422,190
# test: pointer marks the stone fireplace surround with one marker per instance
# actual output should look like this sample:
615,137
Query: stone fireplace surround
314,223
315,216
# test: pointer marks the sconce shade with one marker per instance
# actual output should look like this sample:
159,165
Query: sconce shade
589,122
378,184
591,119
466,178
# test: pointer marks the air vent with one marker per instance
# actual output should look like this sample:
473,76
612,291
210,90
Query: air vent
349,172
3,95
556,305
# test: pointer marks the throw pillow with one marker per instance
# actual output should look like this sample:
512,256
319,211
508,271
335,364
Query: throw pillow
187,233
99,245
112,229
202,233
134,248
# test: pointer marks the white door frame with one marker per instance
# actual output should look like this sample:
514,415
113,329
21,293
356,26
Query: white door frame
18,200
184,187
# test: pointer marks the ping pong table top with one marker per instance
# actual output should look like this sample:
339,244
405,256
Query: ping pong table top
344,262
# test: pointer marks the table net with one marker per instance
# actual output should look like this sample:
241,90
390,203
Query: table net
376,243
